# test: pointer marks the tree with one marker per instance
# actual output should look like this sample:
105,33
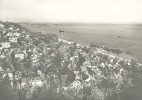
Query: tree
27,66
57,68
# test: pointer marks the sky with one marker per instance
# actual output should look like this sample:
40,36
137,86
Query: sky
86,11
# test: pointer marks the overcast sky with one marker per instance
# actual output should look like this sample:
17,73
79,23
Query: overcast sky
95,11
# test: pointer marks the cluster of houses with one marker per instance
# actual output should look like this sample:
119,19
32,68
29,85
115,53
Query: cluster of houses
109,49
29,59
89,64
14,48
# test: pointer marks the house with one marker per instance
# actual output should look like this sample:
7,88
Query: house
83,76
23,31
27,36
13,39
11,28
1,70
38,83
2,56
17,29
4,30
20,56
77,78
5,45
1,26
13,36
77,85
34,58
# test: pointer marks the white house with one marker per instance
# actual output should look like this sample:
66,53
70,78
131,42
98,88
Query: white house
1,26
6,45
1,70
13,36
37,83
20,56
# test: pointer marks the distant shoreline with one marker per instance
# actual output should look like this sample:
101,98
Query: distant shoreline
76,24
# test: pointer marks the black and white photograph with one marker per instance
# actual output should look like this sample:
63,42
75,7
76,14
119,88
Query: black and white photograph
70,49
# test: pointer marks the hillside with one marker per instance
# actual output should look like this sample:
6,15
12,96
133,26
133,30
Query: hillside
41,66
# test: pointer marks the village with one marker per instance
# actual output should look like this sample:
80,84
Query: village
33,64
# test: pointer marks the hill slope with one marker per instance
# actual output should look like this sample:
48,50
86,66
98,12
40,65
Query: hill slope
62,69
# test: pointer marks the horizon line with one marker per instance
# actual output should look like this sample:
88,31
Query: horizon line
73,22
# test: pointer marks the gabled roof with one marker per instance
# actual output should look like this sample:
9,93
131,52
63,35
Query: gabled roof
84,76
77,77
